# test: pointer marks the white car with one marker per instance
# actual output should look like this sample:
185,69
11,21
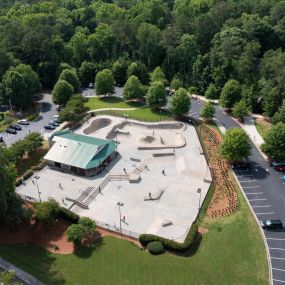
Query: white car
56,117
23,122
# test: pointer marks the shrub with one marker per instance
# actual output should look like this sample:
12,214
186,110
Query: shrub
75,233
32,117
18,182
28,175
46,212
39,166
88,224
171,244
67,215
27,214
155,247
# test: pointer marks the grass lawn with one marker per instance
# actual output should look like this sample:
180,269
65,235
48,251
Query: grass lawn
231,252
262,126
95,103
142,114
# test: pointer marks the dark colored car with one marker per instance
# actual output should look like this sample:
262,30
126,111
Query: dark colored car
49,127
11,131
280,168
271,224
242,165
16,127
1,139
276,164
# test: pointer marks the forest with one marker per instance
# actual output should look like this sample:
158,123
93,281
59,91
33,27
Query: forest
205,44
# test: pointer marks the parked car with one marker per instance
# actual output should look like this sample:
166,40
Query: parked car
11,131
241,165
271,224
16,127
49,127
90,85
54,124
280,163
23,122
1,139
57,120
280,168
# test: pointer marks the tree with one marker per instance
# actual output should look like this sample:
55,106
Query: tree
46,212
119,70
279,116
156,95
32,142
132,88
31,78
76,233
236,145
240,110
61,92
180,103
274,145
87,72
71,77
139,70
212,92
231,93
14,89
7,278
176,83
207,111
157,75
104,82
74,109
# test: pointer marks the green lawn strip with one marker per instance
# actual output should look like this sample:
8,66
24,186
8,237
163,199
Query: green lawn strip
262,127
142,114
231,252
95,103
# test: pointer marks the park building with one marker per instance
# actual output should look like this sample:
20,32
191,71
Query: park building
79,154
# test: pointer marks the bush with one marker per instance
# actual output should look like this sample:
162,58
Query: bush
27,214
171,244
18,182
155,247
46,212
67,215
28,175
39,166
75,233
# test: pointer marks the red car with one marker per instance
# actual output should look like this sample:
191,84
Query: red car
280,168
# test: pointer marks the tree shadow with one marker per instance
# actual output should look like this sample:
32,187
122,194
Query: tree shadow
46,107
85,252
35,260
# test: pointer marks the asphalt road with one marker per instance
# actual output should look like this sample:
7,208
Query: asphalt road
265,191
48,111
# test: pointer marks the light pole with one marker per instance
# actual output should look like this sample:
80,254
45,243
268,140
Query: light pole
120,204
39,193
199,191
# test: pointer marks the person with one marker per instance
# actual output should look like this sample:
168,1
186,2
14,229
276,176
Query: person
149,195
99,189
163,172
125,170
60,185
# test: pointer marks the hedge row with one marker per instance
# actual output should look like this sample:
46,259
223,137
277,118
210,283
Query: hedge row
171,244
39,166
28,175
68,215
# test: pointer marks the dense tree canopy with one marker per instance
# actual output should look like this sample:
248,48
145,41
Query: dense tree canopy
204,44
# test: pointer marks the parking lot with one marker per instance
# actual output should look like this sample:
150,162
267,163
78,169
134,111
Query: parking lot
264,205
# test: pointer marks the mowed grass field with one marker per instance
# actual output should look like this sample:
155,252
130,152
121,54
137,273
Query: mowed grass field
231,252
95,103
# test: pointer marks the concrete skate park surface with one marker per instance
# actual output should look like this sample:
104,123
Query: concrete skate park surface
184,173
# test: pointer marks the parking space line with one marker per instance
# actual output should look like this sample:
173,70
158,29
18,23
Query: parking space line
276,248
278,269
281,281
265,213
247,181
261,199
247,187
245,175
276,238
281,258
256,193
265,206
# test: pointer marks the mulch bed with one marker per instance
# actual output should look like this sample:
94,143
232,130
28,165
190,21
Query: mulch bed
224,200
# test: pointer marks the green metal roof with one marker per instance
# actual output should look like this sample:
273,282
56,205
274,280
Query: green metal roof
79,150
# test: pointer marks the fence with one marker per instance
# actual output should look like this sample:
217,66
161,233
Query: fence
116,229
